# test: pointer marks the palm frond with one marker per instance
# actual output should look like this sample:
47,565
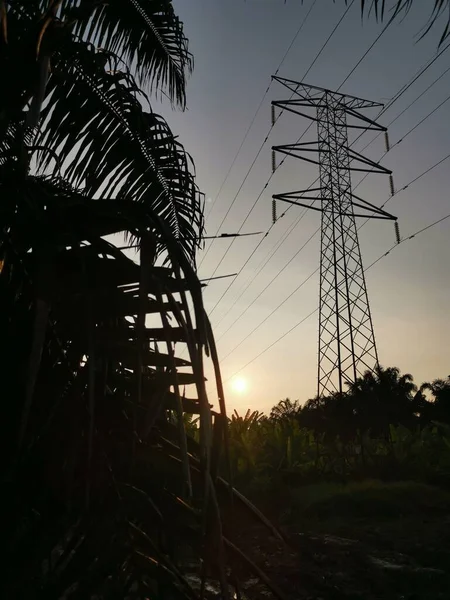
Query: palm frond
402,7
111,146
146,34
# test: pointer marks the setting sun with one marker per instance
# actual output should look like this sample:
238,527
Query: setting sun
239,385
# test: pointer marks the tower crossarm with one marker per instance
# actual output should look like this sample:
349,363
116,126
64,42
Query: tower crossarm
304,90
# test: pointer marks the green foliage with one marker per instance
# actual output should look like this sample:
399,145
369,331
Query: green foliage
368,499
382,428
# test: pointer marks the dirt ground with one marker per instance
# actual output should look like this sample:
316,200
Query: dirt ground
401,554
318,566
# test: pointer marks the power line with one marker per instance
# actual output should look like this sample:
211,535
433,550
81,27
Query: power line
407,108
263,143
328,38
234,200
409,237
399,142
243,223
414,79
364,55
294,39
402,90
273,344
417,98
424,119
270,177
315,271
271,282
281,240
302,215
270,314
261,241
422,174
316,309
391,102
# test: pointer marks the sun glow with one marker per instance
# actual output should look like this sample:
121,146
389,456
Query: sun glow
239,385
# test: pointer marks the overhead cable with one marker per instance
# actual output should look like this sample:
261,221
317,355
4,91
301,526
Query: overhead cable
265,140
317,269
294,39
359,183
410,237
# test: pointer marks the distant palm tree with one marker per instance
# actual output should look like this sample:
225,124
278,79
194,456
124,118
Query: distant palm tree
285,409
383,397
440,390
247,420
388,379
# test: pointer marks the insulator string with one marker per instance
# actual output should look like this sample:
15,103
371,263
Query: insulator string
391,185
397,232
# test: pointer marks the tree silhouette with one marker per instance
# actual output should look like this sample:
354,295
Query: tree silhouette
285,409
381,398
373,402
440,390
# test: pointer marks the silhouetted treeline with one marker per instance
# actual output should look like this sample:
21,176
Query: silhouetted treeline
372,405
384,427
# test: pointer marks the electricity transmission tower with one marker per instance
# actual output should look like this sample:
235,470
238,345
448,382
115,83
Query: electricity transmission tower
346,339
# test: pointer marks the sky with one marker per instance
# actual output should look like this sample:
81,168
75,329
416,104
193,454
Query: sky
237,46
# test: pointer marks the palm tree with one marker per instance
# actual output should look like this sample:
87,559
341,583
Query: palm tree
103,489
242,423
439,409
285,409
383,397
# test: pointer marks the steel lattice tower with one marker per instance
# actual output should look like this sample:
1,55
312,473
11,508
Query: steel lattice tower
346,338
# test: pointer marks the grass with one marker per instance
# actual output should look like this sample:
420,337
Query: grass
367,499
401,532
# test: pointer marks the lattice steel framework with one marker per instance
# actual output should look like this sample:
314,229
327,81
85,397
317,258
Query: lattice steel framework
346,338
